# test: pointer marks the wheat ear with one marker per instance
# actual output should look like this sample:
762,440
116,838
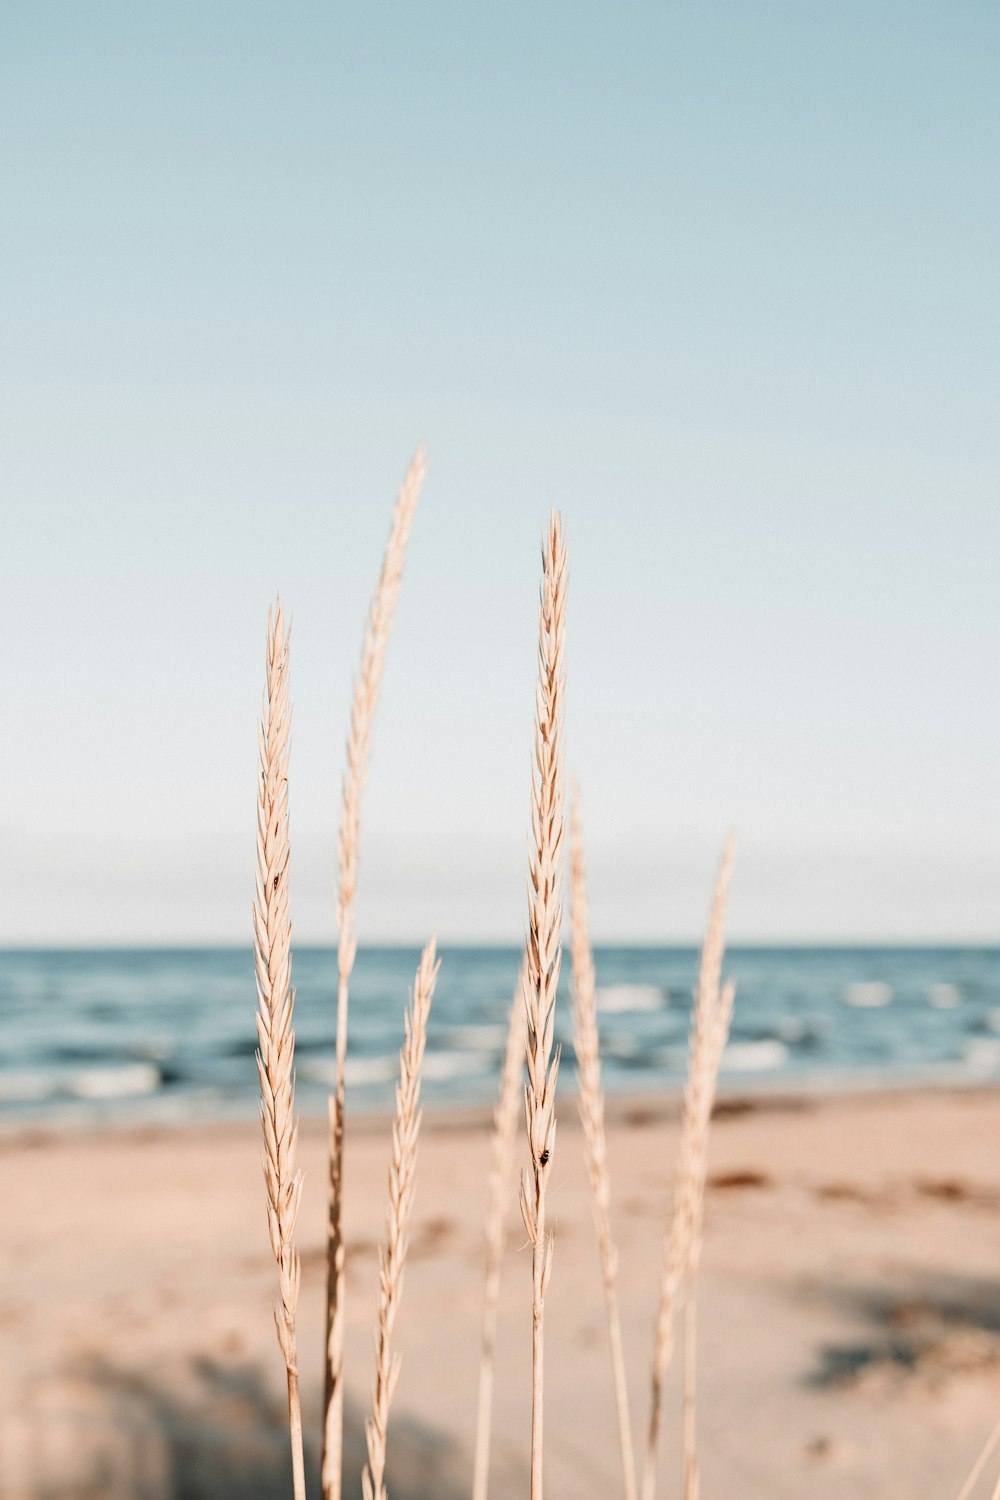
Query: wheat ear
365,702
501,1173
392,1254
591,1103
544,954
709,1030
272,933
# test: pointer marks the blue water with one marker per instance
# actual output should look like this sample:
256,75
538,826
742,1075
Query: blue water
154,1035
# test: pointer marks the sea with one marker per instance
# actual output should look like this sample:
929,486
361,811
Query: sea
104,1036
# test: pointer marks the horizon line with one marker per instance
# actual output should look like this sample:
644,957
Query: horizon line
409,945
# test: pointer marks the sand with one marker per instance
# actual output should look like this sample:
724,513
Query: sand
849,1308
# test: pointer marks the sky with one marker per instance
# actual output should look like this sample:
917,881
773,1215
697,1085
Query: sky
718,282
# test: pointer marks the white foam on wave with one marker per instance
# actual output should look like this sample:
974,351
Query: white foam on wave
127,1082
944,996
754,1057
617,999
621,1046
362,1070
365,1071
868,994
982,1055
358,1071
475,1038
22,1087
156,1048
130,1081
440,1066
321,1069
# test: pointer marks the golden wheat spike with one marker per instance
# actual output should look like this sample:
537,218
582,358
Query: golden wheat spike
272,930
367,688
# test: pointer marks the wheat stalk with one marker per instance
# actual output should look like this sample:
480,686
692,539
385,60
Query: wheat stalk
980,1464
392,1254
709,1029
591,1104
501,1171
365,702
720,1035
544,954
272,933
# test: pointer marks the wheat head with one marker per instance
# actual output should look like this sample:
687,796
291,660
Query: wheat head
392,1254
544,952
272,938
367,687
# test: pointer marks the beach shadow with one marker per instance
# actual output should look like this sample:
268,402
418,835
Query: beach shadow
935,1329
220,1431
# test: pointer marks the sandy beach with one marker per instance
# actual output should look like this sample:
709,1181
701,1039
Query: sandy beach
850,1305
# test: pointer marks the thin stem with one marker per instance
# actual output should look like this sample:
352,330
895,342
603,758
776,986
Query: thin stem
393,1250
980,1463
366,695
690,1443
591,1105
295,1428
710,1020
504,1130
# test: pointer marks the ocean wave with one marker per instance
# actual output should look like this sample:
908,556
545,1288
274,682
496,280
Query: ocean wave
366,1072
868,994
797,1032
115,1083
618,999
439,1067
944,996
475,1038
359,1070
23,1087
982,1054
754,1057
623,1048
128,1082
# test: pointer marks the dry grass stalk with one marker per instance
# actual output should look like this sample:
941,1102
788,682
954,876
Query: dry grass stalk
392,1254
691,1484
980,1464
544,953
272,930
366,696
709,1030
501,1175
591,1103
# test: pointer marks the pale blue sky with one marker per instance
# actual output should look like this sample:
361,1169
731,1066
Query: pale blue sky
721,282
